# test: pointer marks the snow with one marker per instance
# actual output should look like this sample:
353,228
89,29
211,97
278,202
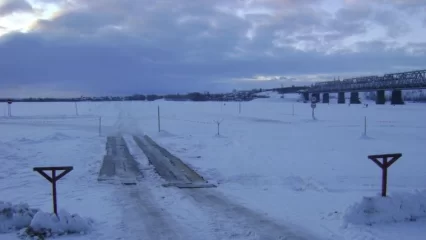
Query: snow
33,222
400,207
71,141
15,217
308,172
48,224
271,158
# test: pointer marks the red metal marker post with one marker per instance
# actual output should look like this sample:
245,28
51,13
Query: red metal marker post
53,180
388,160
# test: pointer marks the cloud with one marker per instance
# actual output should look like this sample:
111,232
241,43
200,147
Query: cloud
14,6
393,23
409,4
168,46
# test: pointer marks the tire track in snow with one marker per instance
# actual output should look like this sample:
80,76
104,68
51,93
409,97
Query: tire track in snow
143,212
229,220
174,211
246,223
143,218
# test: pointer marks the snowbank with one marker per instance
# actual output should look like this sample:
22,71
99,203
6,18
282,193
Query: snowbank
48,224
299,184
15,217
35,223
399,207
57,136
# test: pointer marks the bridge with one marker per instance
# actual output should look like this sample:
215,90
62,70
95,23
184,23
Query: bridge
395,82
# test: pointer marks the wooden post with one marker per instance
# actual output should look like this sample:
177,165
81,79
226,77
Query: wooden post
239,107
218,128
100,126
385,178
158,115
218,122
293,109
384,166
55,203
53,179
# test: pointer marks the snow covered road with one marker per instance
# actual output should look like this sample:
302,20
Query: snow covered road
242,223
223,218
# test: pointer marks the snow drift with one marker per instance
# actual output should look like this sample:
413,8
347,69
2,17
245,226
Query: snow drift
15,217
48,224
400,207
34,223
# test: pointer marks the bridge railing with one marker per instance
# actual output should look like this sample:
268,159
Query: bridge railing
405,80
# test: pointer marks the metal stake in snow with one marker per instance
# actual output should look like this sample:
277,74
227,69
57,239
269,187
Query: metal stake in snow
9,108
100,126
239,107
293,109
384,166
76,108
313,106
52,179
365,126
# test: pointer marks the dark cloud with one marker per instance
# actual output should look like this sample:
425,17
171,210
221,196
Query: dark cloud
13,6
321,30
169,46
412,6
417,48
394,24
110,68
354,14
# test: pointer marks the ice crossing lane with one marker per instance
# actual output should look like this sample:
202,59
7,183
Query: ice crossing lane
143,218
248,224
233,220
118,163
169,167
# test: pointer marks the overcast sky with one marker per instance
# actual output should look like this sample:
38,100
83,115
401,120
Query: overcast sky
115,47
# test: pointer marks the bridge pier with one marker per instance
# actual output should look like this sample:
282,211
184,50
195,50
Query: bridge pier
306,96
325,98
380,98
354,98
397,97
341,98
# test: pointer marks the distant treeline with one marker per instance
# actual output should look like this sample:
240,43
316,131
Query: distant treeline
87,99
195,96
292,89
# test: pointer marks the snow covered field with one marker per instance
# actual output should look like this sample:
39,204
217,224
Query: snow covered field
311,175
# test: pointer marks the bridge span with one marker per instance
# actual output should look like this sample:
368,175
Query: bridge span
395,82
